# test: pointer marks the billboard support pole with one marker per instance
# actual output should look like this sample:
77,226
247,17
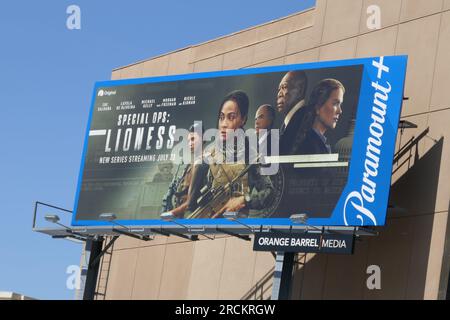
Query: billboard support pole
282,276
90,267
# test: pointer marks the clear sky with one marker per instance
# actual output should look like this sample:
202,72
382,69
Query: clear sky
47,74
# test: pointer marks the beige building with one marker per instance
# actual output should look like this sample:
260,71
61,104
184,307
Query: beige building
412,250
6,295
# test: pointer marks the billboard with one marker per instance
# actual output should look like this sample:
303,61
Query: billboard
269,142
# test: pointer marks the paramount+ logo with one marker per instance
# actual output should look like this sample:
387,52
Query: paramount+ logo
107,93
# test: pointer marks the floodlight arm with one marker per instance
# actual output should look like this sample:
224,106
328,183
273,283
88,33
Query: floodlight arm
118,224
110,217
55,219
234,216
169,217
314,227
64,226
132,235
177,223
302,218
243,224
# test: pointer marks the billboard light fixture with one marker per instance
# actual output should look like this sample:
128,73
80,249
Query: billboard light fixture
302,218
169,217
107,217
299,218
235,216
111,217
53,218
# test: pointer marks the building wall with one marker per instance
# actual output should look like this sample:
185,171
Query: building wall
409,249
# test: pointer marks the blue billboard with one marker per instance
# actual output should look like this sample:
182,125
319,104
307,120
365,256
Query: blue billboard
266,143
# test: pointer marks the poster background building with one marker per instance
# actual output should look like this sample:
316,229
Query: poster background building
412,250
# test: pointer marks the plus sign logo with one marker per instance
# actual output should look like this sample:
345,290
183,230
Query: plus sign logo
380,66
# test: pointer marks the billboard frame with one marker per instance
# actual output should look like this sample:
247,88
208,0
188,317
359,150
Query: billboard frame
207,224
237,229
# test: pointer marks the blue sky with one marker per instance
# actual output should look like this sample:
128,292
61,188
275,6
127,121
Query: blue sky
47,75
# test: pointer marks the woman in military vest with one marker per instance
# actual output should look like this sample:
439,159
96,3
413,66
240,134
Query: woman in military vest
252,190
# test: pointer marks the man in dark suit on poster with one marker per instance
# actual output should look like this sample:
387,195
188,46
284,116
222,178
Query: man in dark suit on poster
290,102
290,105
